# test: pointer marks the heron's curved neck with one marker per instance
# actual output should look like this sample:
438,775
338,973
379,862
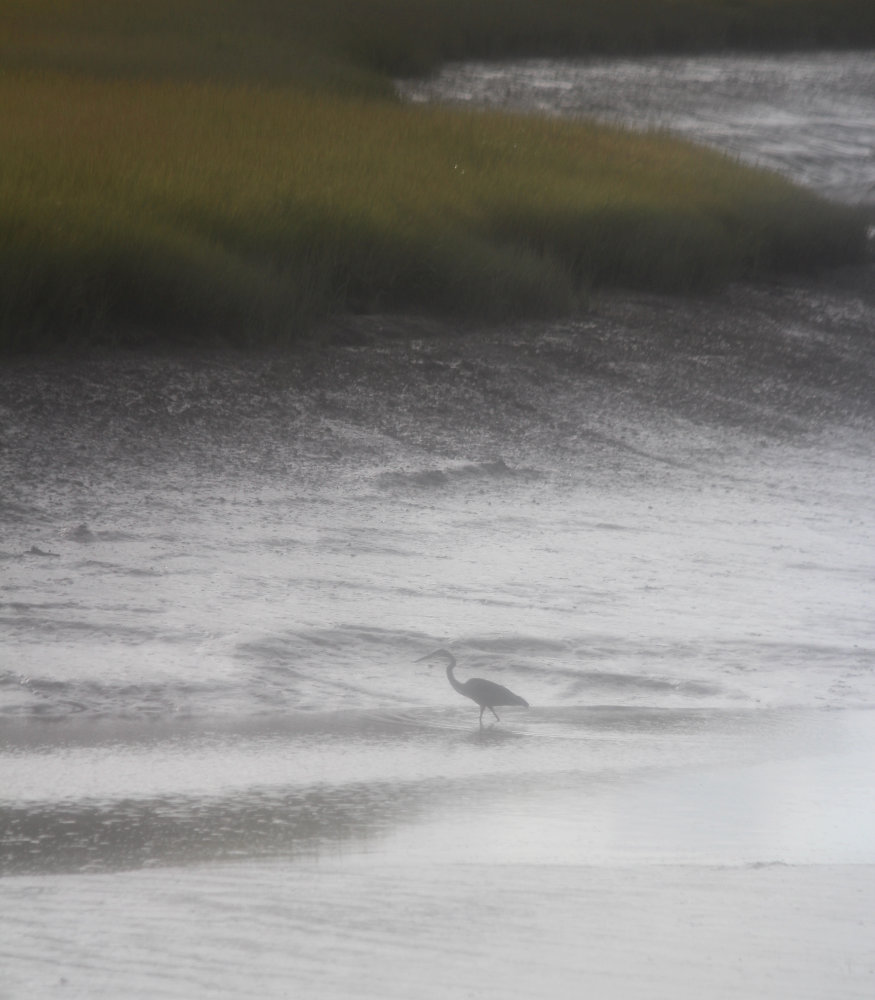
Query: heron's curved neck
451,677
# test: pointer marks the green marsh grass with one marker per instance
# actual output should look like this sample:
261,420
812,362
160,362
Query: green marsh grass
194,170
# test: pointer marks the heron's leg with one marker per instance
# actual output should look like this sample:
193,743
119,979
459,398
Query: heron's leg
497,716
481,715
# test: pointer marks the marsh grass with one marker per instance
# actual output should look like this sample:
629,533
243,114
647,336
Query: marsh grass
217,169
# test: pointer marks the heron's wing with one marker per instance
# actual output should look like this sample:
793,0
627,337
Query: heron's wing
489,693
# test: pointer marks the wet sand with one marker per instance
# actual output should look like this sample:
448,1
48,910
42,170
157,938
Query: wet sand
263,930
789,360
616,853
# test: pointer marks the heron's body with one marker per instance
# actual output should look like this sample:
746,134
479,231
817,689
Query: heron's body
487,694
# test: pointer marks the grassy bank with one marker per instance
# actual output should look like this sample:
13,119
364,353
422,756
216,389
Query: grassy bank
236,170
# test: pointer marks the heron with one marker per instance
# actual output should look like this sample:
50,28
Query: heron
487,694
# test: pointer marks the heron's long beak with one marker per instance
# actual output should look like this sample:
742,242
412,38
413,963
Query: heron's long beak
435,654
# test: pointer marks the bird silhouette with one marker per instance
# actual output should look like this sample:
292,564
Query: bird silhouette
487,694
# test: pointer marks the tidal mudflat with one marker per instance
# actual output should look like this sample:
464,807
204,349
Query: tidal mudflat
222,771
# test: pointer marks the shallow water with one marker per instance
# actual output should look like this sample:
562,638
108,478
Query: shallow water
674,587
223,770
